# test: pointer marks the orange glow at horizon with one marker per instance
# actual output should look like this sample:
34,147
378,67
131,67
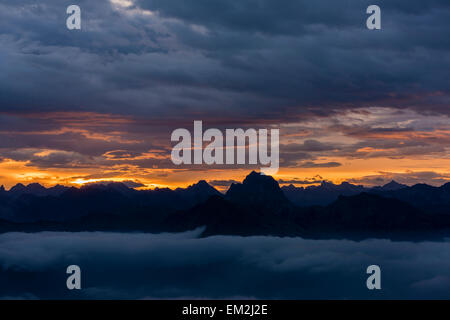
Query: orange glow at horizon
119,148
13,172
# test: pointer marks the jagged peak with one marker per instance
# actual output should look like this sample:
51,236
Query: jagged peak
35,184
202,183
327,184
392,183
199,187
446,186
199,184
18,186
258,178
259,189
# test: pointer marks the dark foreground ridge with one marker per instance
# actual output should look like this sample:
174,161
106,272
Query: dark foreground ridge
257,206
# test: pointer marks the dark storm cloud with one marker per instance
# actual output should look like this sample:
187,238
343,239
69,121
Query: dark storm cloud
280,17
309,146
310,164
237,60
408,178
183,265
319,53
106,32
229,63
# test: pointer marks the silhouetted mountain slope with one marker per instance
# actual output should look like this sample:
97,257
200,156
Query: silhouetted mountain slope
36,189
321,195
6,226
36,203
372,212
446,187
360,214
260,191
393,185
258,206
427,198
197,193
364,214
221,216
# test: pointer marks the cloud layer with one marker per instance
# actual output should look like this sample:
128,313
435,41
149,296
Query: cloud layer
140,266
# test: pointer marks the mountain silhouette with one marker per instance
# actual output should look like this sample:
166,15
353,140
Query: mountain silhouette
197,193
391,186
36,189
258,190
36,203
221,216
257,206
322,195
433,200
373,212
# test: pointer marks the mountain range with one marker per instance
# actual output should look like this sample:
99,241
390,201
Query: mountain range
257,206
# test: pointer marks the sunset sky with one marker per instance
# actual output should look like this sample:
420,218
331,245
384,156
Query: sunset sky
100,103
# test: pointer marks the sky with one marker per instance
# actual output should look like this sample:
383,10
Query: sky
100,103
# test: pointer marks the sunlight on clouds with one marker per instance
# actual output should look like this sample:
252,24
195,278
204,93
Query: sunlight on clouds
122,3
366,142
44,153
128,6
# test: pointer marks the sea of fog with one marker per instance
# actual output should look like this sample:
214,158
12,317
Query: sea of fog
183,265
